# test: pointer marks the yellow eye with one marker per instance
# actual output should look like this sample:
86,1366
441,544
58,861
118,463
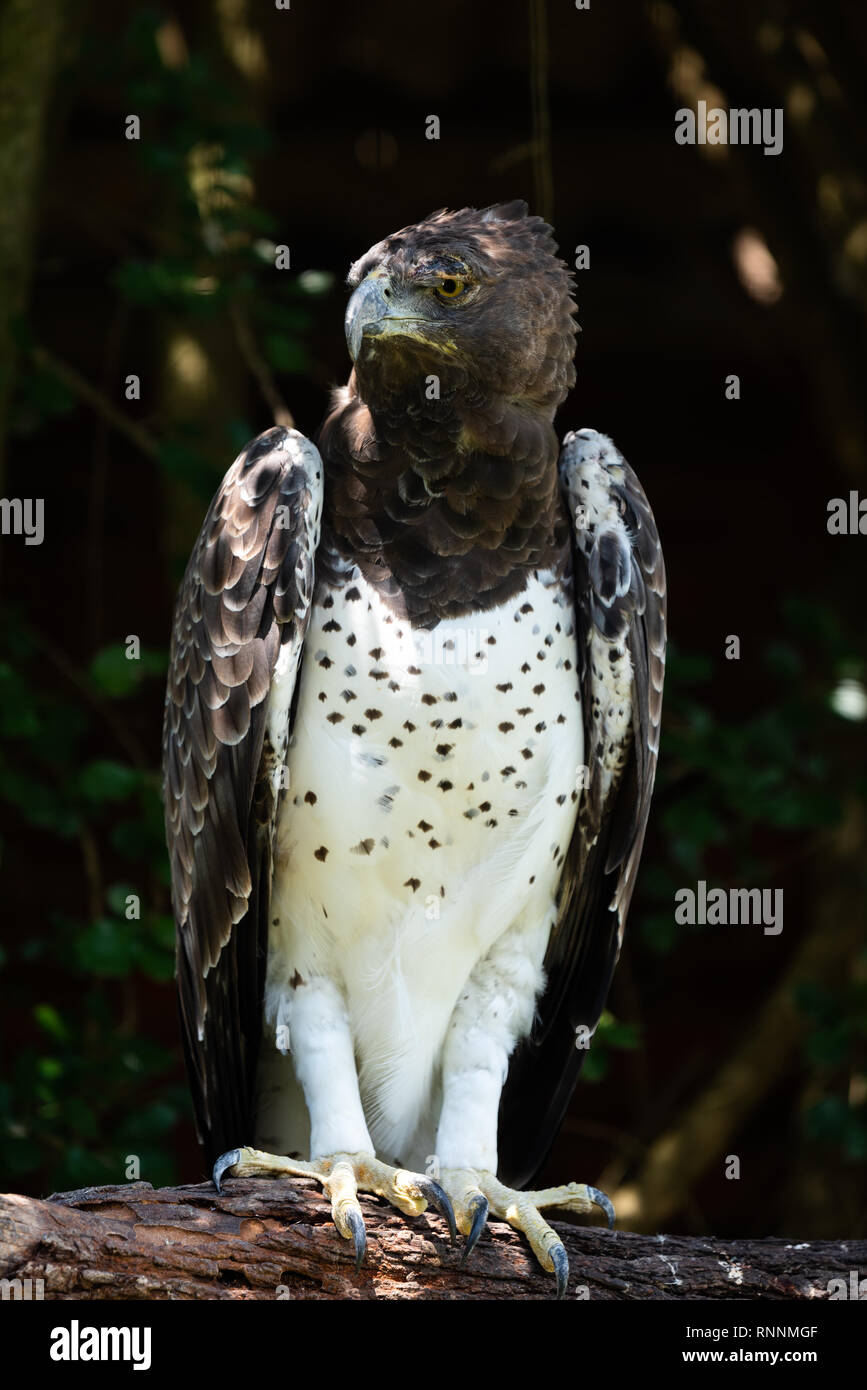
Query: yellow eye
451,288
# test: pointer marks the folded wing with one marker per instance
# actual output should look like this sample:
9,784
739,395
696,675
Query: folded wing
237,639
620,605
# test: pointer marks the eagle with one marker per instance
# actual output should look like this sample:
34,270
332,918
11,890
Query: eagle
410,739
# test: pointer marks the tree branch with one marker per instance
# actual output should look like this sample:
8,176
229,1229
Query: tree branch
264,1239
81,387
259,368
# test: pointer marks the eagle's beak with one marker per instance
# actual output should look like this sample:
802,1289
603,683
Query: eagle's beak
380,309
366,308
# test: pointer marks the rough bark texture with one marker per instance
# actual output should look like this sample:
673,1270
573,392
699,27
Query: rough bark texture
268,1239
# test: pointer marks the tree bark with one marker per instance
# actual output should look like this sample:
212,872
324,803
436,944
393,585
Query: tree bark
264,1239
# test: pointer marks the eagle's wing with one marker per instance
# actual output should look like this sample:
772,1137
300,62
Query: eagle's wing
239,626
620,603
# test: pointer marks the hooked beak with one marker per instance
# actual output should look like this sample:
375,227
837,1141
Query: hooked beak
363,313
375,311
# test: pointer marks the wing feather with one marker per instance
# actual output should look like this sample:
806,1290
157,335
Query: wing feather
245,598
620,603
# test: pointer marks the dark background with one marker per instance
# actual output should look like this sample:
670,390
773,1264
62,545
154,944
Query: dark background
154,257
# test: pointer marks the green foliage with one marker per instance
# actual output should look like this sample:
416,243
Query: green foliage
836,1051
76,1104
783,771
93,1090
611,1035
39,399
785,768
113,673
215,258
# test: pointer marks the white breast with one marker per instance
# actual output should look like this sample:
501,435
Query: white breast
433,783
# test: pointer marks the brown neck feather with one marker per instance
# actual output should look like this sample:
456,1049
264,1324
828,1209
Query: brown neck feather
448,505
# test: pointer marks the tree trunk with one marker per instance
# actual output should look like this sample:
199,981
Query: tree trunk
264,1239
30,34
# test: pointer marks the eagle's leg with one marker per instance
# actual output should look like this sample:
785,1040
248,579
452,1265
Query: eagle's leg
495,1009
343,1176
476,1194
342,1151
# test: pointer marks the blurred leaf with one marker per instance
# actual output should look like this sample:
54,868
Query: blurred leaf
285,354
106,948
49,1019
104,780
117,675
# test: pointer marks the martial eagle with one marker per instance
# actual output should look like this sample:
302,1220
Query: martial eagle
410,740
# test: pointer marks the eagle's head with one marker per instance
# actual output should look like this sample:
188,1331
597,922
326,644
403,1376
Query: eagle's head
478,299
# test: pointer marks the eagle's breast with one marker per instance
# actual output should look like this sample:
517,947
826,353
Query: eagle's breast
433,788
410,742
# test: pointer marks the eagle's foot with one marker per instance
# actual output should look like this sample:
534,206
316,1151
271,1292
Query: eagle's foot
342,1177
475,1194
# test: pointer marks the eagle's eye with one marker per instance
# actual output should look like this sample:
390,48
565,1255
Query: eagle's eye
452,287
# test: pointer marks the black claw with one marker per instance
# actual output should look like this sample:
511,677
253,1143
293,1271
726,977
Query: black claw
224,1162
432,1192
604,1202
561,1266
355,1221
479,1208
